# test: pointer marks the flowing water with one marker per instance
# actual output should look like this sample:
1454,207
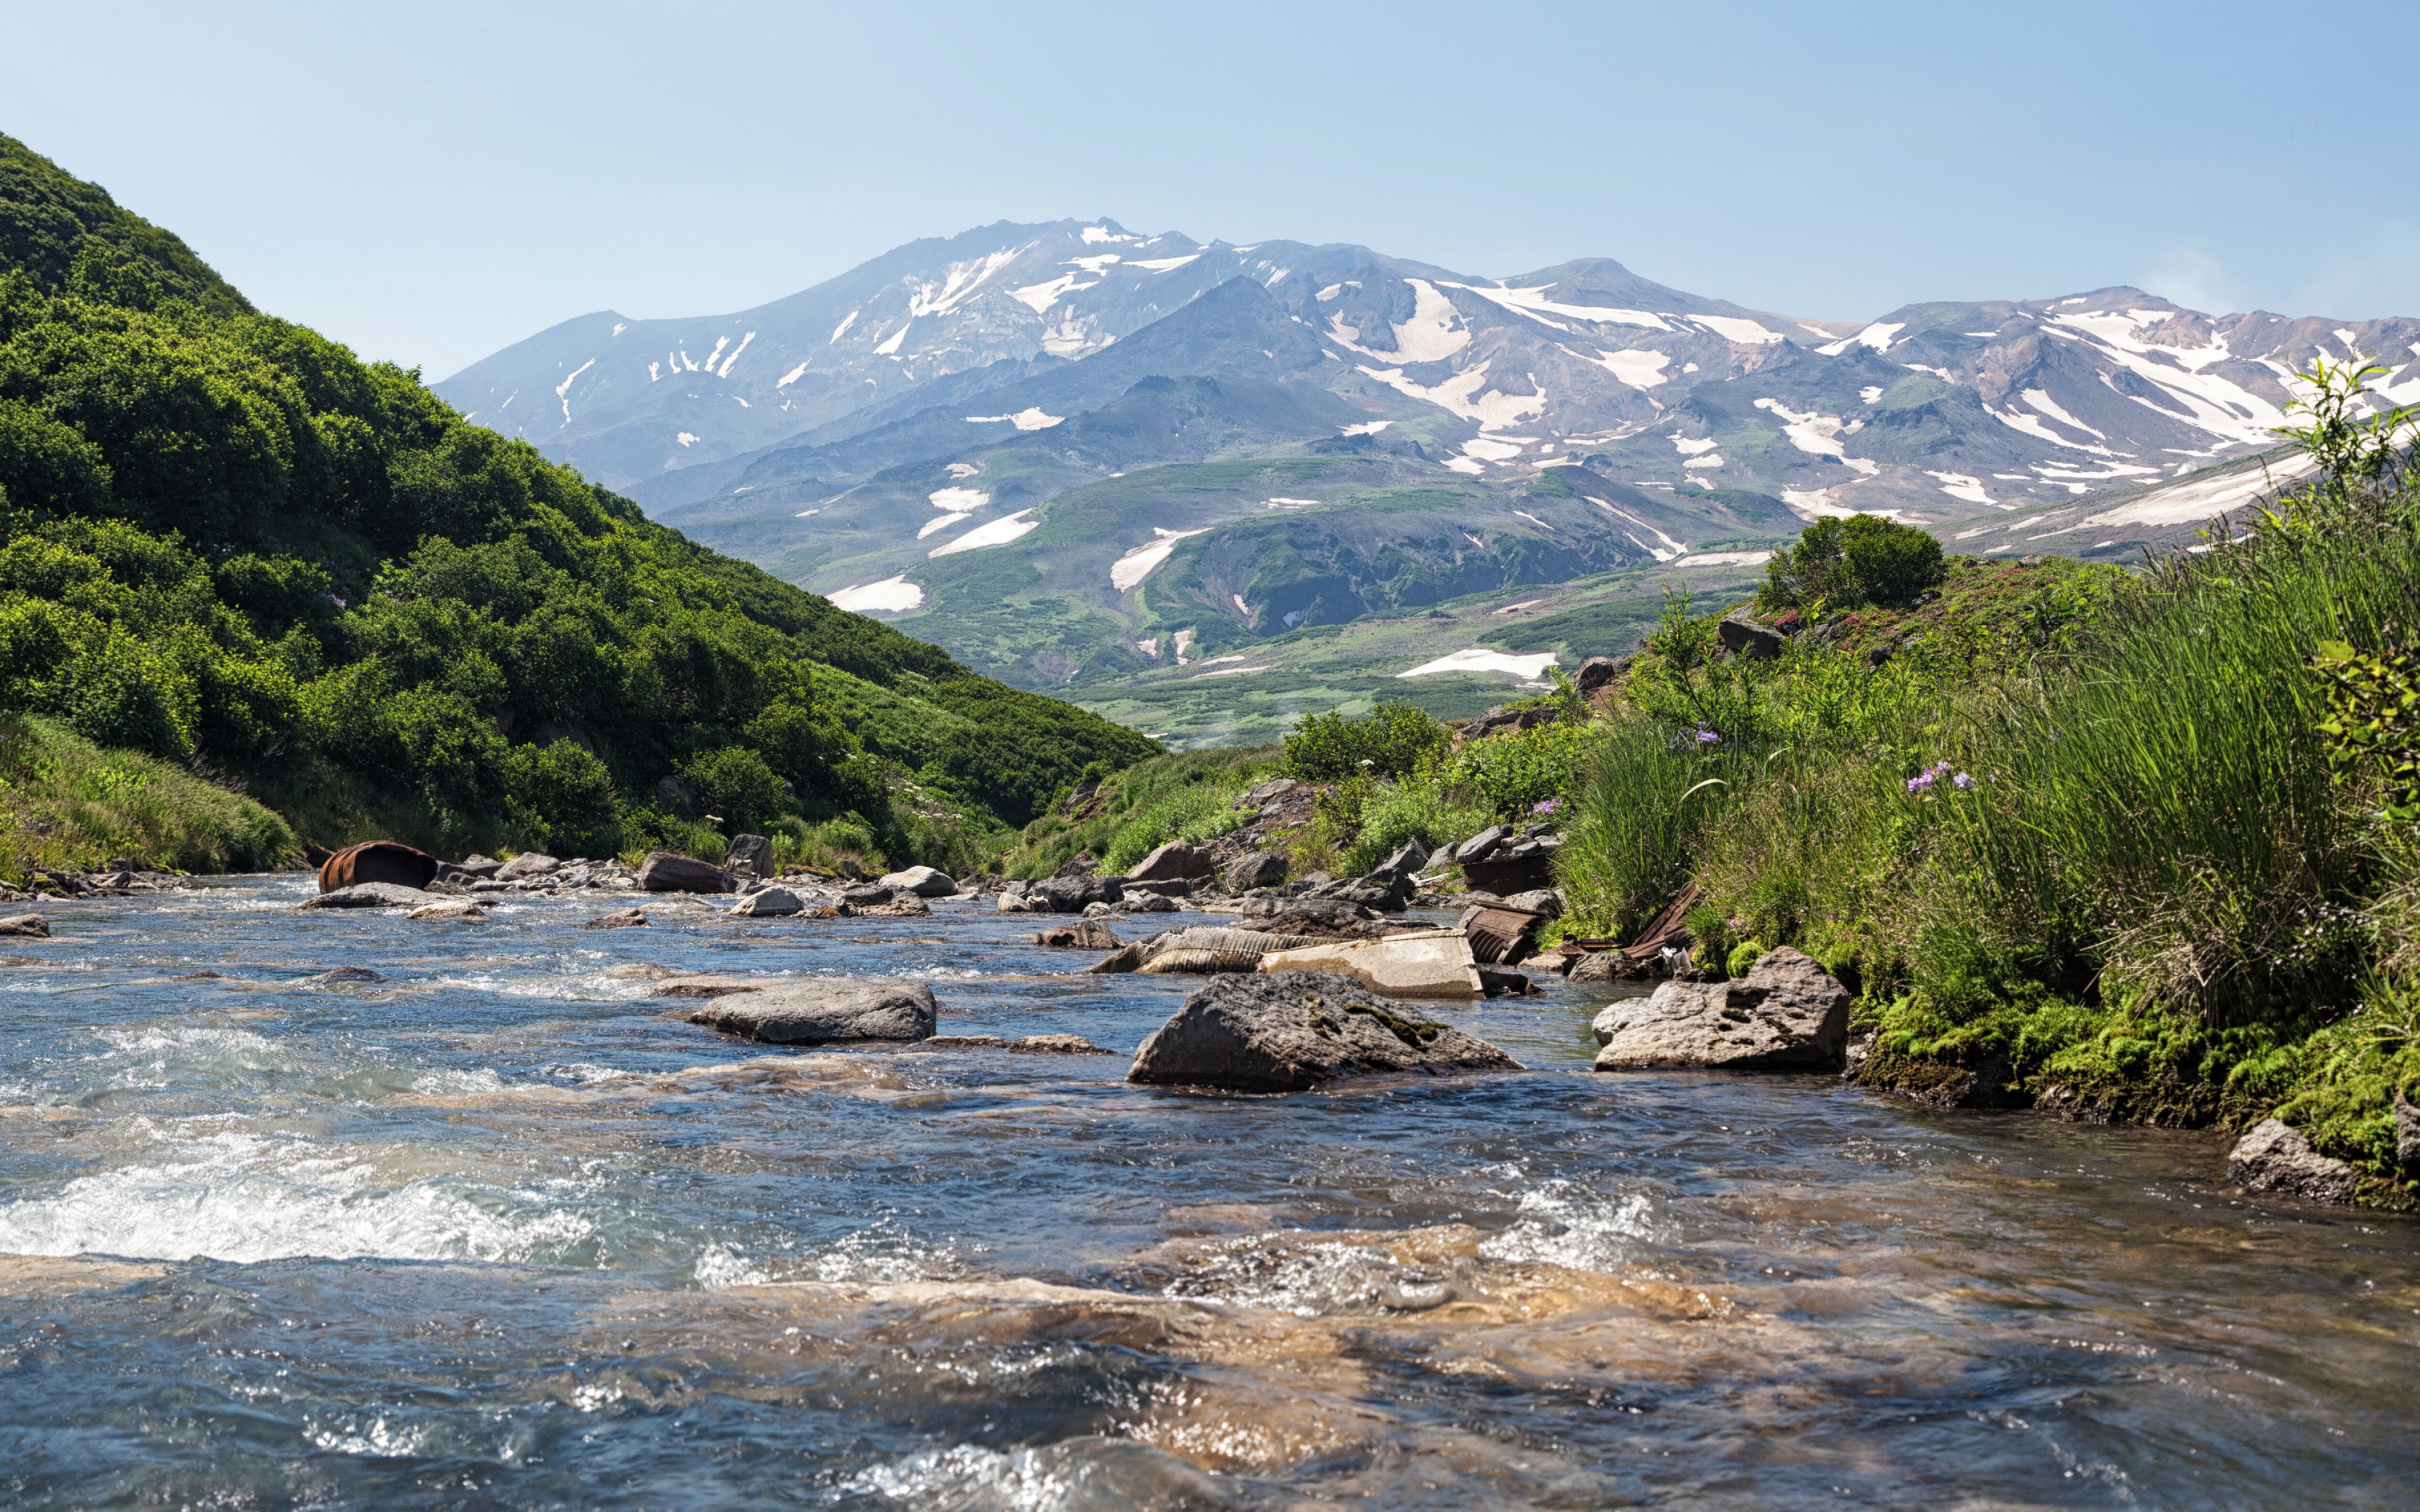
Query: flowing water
495,1229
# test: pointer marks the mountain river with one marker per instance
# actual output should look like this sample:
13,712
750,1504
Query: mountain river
494,1229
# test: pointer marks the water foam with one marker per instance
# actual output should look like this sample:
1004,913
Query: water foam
248,1197
1561,1222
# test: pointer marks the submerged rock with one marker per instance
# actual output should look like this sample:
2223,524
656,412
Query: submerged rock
811,1011
1087,935
453,910
1290,1030
1032,1044
375,895
1786,1015
619,918
2277,1157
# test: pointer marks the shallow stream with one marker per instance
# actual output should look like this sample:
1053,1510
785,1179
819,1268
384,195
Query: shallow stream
495,1229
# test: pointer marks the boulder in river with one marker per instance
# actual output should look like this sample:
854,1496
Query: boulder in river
452,911
619,918
26,926
923,881
663,871
811,1010
769,902
375,895
1291,1031
2277,1157
1173,862
1786,1013
1427,963
1087,935
528,864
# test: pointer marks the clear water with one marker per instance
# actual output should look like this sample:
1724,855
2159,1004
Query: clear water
497,1230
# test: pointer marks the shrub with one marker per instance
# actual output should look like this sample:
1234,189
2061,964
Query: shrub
560,799
1391,739
735,784
1393,813
1514,774
1191,813
1862,559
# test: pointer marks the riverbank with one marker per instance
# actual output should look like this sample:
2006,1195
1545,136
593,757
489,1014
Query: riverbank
68,805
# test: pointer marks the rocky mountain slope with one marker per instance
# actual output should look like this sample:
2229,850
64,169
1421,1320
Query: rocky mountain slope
1076,455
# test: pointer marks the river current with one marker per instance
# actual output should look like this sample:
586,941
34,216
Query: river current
495,1229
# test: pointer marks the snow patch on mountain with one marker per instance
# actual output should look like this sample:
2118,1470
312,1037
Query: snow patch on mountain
892,595
999,532
1477,660
1132,568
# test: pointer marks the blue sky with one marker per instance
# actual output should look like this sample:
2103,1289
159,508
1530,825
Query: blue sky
430,183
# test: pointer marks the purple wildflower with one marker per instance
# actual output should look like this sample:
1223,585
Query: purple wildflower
1549,806
1964,781
1707,738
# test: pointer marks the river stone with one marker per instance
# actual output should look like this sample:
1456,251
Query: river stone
751,853
663,871
1786,1015
527,864
26,926
1291,1031
813,1011
453,910
2276,1157
1032,1044
923,881
1172,862
1087,935
769,902
1259,869
1150,902
375,895
619,918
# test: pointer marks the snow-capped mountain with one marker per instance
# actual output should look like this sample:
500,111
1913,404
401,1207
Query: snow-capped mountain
1927,409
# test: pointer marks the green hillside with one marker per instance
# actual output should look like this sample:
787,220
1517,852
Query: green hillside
233,546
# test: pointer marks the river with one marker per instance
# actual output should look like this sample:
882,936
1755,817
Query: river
494,1229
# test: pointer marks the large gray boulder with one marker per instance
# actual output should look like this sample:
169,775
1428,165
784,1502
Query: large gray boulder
2276,1157
1172,861
1286,1031
1786,1013
769,902
527,864
1596,674
1742,634
1259,869
810,1011
923,881
752,855
663,871
375,895
32,926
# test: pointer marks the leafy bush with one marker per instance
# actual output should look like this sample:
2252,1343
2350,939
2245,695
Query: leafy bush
562,800
734,785
1392,814
1861,559
1389,742
1193,814
1515,774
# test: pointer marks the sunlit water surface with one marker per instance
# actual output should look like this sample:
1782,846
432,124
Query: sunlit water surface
497,1230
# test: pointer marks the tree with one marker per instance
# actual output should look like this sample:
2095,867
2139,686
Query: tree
1846,563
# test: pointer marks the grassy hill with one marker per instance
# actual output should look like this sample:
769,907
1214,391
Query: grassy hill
234,547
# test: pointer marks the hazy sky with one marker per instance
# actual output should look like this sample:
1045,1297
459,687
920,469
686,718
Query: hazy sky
431,182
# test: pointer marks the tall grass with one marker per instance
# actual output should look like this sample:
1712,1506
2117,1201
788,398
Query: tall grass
2159,810
67,803
1646,796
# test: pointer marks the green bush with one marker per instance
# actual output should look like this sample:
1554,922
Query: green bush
562,800
1521,774
1393,815
1389,742
733,784
1193,814
1845,562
